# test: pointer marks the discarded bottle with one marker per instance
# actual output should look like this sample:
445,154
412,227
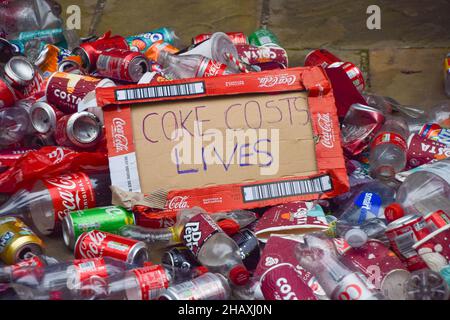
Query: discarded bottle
49,200
426,285
14,125
388,149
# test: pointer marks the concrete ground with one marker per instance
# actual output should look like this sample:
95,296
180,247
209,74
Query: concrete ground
404,59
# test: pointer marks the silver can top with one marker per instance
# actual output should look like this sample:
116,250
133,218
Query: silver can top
43,117
19,71
84,129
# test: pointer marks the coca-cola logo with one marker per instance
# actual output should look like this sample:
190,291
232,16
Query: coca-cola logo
177,202
271,81
118,132
68,193
213,69
192,234
326,127
91,248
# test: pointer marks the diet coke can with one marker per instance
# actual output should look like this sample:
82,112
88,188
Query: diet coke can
325,59
381,266
124,65
81,130
403,233
90,51
97,244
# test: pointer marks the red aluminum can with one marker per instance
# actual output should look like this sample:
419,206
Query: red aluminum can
89,51
403,233
80,130
436,220
380,265
325,59
124,65
7,94
97,244
235,37
44,117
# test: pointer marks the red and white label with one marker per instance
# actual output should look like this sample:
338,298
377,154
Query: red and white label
96,244
88,268
391,138
26,267
198,230
212,69
152,281
70,192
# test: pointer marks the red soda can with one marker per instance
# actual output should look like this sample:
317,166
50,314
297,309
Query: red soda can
80,130
44,117
403,233
89,51
97,244
359,126
325,59
381,266
67,90
124,65
436,220
235,37
7,94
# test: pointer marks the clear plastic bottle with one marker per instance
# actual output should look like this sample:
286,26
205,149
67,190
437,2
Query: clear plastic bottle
13,272
191,66
440,114
426,285
38,204
426,190
317,255
388,149
14,125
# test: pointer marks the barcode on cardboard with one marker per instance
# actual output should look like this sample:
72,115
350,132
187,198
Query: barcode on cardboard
288,188
405,242
164,91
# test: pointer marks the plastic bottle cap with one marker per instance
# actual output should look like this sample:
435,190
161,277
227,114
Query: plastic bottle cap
201,270
393,212
229,226
355,238
239,275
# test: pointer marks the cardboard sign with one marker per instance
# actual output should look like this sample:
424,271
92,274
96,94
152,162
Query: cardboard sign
225,143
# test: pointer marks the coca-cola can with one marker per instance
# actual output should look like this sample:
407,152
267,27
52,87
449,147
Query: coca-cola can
353,287
90,51
403,233
67,90
325,59
381,266
124,65
437,219
209,286
44,117
82,130
359,126
235,37
7,94
97,244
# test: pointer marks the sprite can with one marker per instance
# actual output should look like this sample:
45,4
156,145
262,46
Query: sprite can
263,37
108,219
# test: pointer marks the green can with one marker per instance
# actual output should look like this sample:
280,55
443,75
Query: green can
263,37
109,219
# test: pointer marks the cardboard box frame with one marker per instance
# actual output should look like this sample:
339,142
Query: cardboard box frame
117,103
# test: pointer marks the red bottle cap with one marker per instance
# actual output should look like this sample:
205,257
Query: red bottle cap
201,270
393,212
239,275
229,226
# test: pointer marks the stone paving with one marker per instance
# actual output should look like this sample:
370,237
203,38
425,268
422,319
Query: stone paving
403,60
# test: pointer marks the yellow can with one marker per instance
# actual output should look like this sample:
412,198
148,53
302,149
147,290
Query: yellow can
16,240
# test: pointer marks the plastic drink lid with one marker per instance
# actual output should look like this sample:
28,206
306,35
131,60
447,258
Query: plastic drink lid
393,212
239,275
355,238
